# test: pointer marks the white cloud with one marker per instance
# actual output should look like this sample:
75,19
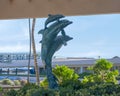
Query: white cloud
25,32
17,48
92,54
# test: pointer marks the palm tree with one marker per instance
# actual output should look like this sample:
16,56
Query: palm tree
34,52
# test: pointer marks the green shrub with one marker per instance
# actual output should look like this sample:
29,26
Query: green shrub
44,83
7,82
1,89
17,82
82,92
70,88
84,74
66,91
25,88
11,93
106,89
42,92
64,73
73,84
0,81
102,73
23,82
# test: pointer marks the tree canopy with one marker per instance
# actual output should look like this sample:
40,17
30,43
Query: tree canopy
63,73
102,72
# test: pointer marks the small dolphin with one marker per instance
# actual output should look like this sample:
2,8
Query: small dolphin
52,18
57,44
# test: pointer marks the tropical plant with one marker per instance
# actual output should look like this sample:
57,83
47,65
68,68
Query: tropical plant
27,87
63,73
12,92
7,82
17,82
101,72
44,83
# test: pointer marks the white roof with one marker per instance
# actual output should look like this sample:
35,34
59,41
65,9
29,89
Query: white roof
65,61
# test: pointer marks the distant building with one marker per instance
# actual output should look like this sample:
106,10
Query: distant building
80,65
8,57
5,58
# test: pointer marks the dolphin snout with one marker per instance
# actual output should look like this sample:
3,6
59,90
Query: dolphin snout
70,22
70,38
67,38
67,22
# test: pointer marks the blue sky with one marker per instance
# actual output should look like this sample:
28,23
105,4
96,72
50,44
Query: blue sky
94,35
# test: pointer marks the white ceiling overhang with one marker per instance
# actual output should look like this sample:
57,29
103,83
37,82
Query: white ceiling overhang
13,9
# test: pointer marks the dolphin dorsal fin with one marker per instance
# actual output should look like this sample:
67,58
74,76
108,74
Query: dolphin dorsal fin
49,15
41,31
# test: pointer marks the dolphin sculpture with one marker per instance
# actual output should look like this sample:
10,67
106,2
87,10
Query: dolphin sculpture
52,42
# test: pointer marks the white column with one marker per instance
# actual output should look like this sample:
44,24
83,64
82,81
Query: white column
81,69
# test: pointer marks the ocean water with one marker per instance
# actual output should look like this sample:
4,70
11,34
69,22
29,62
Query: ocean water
32,79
